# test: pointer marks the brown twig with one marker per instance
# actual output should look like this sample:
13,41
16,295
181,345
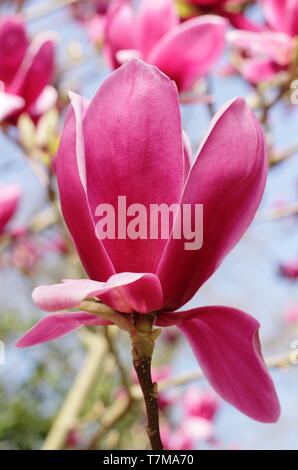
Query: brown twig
75,400
142,350
113,351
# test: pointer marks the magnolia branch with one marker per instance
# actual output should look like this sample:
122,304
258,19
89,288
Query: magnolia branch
119,409
67,417
142,350
275,213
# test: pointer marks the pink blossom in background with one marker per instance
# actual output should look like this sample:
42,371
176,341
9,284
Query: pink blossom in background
26,71
197,409
24,254
185,52
198,429
291,314
92,14
165,399
171,336
95,28
149,164
27,249
177,440
289,269
200,407
158,373
10,195
200,403
268,52
281,16
84,10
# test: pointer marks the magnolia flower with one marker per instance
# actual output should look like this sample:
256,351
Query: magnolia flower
200,407
281,16
200,403
26,70
185,52
95,28
271,51
83,10
177,440
9,199
128,141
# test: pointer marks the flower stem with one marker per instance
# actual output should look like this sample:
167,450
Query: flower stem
142,350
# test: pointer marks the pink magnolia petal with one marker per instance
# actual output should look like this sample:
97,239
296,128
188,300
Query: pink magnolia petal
14,43
125,292
69,294
10,195
36,71
225,341
190,50
228,178
118,30
240,21
187,154
125,55
9,105
154,20
95,28
55,326
200,403
282,15
133,292
46,100
271,45
144,164
70,166
257,70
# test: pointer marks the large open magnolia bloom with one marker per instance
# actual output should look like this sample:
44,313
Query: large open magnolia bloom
128,141
271,51
10,195
26,71
185,52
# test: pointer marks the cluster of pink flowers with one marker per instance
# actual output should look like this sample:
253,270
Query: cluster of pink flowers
187,51
24,249
26,71
199,408
272,49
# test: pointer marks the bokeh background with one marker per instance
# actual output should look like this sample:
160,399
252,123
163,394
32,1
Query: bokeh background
34,382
